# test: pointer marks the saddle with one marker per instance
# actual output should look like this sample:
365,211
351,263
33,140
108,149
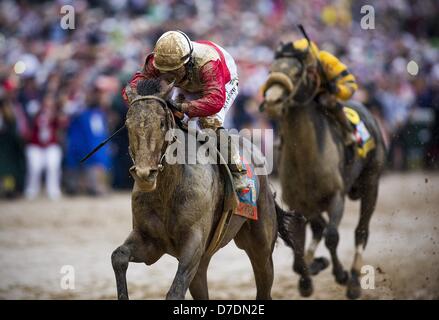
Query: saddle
364,140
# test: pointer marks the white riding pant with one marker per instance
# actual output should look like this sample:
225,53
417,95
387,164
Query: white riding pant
41,159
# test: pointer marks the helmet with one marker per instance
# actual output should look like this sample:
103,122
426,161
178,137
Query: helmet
172,50
304,45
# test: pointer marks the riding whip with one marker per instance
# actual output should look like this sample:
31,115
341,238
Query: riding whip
101,144
323,74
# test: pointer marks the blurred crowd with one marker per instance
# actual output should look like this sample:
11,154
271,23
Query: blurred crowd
60,89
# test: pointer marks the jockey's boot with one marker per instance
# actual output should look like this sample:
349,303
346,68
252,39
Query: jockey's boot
234,162
347,129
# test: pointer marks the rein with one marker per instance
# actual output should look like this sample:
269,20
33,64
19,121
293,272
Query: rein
170,122
170,119
291,97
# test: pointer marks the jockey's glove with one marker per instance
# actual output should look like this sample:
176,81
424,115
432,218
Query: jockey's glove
183,107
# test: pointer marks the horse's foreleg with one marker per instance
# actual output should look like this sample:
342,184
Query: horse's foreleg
198,287
368,201
189,259
135,249
120,259
335,212
316,265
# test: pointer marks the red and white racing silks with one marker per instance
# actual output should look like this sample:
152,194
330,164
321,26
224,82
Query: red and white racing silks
214,80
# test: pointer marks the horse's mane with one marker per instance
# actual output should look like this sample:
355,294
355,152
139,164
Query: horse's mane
148,87
151,87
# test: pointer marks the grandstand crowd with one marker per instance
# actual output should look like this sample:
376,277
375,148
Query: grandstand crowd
60,88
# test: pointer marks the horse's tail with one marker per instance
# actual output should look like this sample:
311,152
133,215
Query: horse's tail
288,224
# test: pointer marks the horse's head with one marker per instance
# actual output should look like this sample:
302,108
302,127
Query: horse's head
292,81
148,120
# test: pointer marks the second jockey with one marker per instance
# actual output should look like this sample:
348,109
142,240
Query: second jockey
207,75
342,83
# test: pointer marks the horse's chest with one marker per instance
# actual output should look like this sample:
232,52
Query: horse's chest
150,222
307,184
160,221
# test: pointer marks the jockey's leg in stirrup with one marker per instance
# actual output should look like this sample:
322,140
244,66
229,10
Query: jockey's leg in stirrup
336,108
231,153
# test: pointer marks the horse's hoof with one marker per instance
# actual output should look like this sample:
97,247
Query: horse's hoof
305,287
354,288
318,265
342,277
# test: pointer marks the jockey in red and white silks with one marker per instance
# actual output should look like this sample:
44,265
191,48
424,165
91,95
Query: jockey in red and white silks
212,82
207,79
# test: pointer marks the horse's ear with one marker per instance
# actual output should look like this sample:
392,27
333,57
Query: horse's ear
166,89
131,93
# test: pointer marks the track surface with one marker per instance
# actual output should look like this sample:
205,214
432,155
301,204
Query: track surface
37,238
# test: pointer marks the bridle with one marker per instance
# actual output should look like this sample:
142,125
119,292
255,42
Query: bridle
291,98
316,86
170,124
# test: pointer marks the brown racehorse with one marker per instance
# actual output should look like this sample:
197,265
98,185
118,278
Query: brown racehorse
176,211
314,170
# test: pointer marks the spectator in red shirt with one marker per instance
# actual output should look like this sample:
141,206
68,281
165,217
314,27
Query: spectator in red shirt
43,151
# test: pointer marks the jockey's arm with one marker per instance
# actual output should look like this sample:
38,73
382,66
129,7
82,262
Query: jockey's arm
213,92
338,72
148,72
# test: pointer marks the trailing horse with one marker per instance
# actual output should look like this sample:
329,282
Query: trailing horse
176,210
317,170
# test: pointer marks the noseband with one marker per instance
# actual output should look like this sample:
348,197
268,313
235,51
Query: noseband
291,98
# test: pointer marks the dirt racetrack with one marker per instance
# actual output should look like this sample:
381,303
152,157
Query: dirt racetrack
37,238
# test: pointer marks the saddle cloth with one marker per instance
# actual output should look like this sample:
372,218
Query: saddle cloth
365,141
247,206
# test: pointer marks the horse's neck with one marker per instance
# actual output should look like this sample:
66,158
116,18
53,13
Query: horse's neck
172,175
169,179
300,136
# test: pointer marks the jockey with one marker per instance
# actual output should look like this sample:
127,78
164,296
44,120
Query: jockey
205,73
341,86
